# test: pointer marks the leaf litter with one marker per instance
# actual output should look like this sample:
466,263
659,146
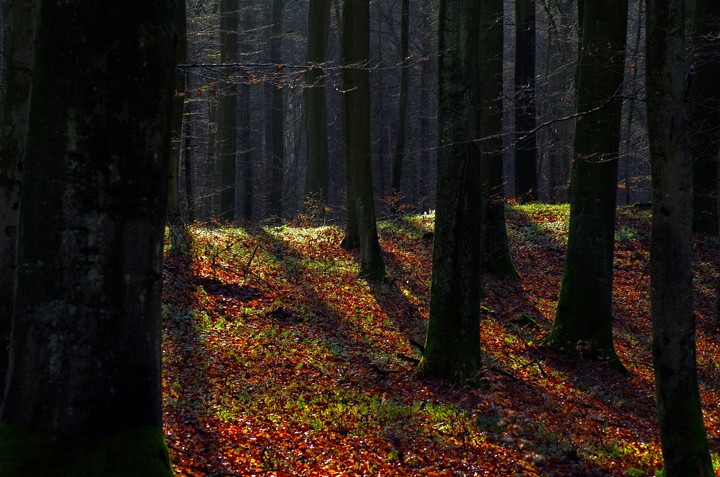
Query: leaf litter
279,361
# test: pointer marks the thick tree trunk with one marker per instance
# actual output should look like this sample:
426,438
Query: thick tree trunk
317,180
452,346
682,432
496,249
704,98
227,114
277,114
13,125
583,323
398,158
356,86
83,395
526,187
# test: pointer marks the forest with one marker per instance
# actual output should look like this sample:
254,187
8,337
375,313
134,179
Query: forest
360,238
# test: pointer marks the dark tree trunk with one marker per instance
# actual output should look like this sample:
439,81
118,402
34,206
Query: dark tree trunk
246,131
317,180
452,346
356,86
227,114
583,323
495,246
398,158
83,394
526,188
705,115
682,432
179,236
277,114
13,125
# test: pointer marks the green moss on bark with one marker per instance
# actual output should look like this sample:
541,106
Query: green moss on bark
138,453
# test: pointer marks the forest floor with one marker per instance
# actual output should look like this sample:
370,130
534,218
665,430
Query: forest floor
279,361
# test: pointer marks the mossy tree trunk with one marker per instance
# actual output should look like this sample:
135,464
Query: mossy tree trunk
356,87
317,180
452,346
13,125
83,395
705,115
526,188
227,115
496,249
583,322
682,431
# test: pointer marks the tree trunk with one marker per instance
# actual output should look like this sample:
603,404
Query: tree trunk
179,236
356,86
452,346
704,97
526,187
317,180
399,156
13,125
83,395
495,247
583,323
682,432
277,114
227,114
246,129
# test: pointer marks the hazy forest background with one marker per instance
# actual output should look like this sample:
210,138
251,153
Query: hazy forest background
255,75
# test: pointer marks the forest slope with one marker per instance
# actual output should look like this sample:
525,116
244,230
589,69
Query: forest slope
279,361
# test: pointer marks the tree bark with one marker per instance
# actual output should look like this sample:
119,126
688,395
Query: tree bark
13,125
704,99
583,322
83,395
496,249
398,158
227,114
452,346
356,86
682,432
526,187
179,236
277,113
317,180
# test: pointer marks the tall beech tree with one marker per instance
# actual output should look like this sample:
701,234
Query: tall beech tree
704,97
526,188
83,394
452,346
682,432
583,322
226,144
179,235
399,156
317,179
13,125
356,96
277,113
496,249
